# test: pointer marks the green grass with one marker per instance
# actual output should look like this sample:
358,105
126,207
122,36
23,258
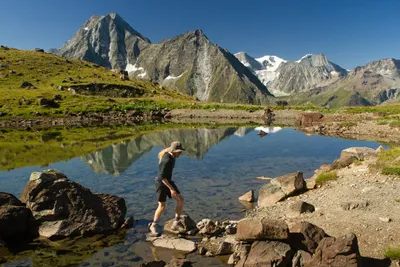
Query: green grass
392,253
389,161
326,176
391,171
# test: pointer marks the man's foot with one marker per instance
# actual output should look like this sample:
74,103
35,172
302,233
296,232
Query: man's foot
154,229
177,226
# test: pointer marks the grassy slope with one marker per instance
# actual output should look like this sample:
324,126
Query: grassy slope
46,72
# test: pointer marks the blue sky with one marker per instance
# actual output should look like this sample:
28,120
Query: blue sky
350,32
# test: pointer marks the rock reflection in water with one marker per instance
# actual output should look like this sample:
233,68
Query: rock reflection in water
116,159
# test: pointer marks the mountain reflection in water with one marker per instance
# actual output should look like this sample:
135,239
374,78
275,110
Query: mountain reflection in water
117,158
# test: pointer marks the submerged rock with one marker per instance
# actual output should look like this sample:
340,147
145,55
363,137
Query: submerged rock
65,208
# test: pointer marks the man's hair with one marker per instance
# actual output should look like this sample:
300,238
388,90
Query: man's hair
161,154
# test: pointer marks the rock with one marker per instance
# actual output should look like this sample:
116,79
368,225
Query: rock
189,225
48,103
65,208
209,227
209,254
16,220
218,246
300,257
249,196
385,219
264,229
180,263
124,77
360,153
306,236
153,264
40,50
202,250
27,85
301,207
355,204
342,251
270,194
309,118
173,243
280,188
267,254
128,223
379,149
290,183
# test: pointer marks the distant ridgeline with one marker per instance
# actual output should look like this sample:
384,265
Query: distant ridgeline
191,64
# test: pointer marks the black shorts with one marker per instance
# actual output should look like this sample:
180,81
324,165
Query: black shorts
163,191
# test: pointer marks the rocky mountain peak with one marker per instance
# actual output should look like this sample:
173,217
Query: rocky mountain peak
106,40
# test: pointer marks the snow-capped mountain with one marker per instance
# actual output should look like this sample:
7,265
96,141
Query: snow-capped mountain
264,67
286,77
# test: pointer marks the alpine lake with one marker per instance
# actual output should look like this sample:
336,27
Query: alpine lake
219,165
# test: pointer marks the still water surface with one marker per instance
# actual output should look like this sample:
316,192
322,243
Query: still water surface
219,165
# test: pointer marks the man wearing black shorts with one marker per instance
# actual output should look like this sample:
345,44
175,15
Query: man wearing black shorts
167,188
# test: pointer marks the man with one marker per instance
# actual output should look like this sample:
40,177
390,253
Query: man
167,188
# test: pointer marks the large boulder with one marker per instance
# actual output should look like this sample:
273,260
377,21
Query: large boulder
281,188
189,226
268,254
306,236
309,118
65,208
349,155
342,251
261,229
15,219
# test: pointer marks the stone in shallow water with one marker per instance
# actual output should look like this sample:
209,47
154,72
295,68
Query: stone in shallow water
173,243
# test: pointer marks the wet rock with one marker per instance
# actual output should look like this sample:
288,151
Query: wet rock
342,251
354,204
16,220
210,228
128,223
268,254
306,236
264,229
65,208
300,207
180,263
309,118
173,243
248,197
189,225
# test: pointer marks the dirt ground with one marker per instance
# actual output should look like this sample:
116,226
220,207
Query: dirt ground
377,226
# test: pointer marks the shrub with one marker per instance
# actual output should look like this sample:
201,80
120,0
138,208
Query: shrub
326,176
392,253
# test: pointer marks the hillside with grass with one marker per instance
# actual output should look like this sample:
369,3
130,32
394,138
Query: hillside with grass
35,83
